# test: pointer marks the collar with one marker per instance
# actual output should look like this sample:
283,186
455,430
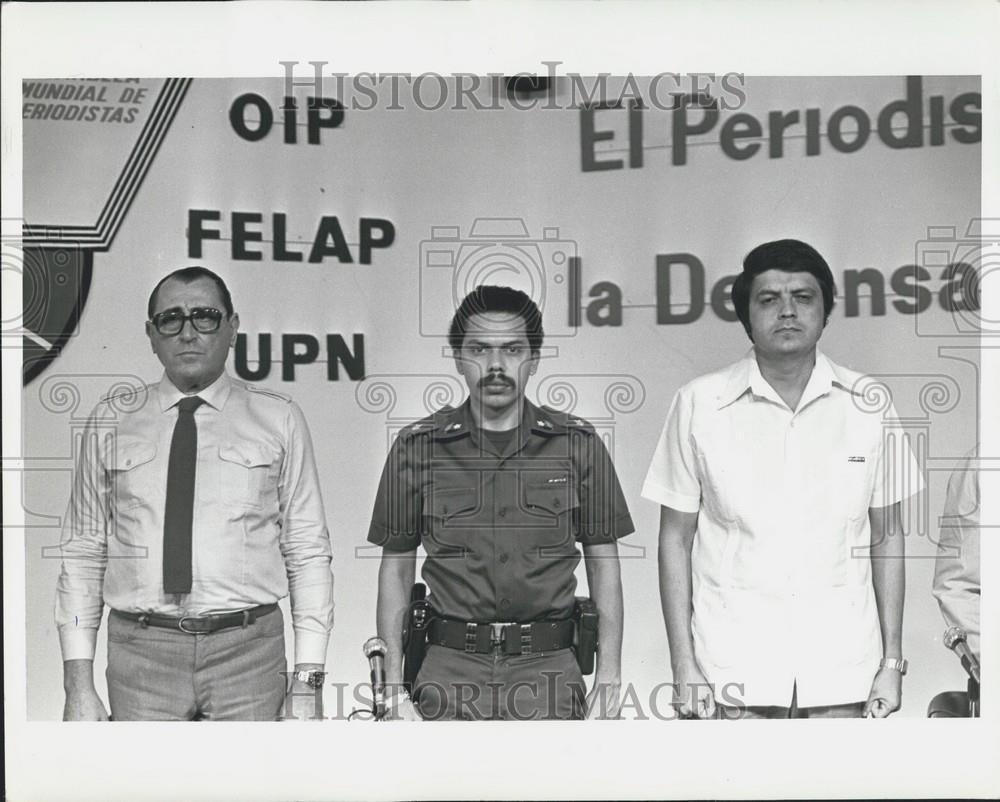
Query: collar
738,381
215,395
451,423
820,382
745,375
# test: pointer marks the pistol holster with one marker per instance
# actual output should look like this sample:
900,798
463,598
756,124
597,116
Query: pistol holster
585,643
415,624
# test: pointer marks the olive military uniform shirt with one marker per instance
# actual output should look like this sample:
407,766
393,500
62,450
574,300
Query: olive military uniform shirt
500,529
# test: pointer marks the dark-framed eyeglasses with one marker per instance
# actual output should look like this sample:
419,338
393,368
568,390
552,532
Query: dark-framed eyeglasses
204,319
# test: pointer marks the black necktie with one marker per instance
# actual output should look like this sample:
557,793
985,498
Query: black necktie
180,499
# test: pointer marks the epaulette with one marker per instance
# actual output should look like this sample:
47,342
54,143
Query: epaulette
565,421
420,427
429,425
267,391
581,425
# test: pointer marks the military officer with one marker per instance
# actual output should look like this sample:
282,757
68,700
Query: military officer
499,492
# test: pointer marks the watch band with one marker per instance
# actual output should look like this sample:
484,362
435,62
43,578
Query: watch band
313,677
894,664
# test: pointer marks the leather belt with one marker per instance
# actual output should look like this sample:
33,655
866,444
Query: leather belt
200,624
505,638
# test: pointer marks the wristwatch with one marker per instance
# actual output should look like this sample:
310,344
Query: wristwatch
313,678
893,664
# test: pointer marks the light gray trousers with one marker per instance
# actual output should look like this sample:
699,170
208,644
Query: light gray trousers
157,674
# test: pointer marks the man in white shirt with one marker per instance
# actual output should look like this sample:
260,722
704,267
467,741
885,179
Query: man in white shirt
195,509
957,583
781,551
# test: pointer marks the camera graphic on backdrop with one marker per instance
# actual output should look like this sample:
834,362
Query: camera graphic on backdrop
499,250
957,266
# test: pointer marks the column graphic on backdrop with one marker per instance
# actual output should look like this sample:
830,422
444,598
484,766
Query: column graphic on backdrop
86,408
917,398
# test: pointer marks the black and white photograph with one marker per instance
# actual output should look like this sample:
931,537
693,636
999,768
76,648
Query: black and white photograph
466,400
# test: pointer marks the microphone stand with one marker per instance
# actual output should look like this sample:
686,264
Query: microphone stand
955,640
375,649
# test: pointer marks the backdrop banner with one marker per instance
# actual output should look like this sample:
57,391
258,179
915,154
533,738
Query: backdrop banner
350,215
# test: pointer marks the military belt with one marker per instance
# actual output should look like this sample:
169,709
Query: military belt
508,638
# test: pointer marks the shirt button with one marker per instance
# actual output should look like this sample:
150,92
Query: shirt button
557,504
505,603
247,461
503,558
128,462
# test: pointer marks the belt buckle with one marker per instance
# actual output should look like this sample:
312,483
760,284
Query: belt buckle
498,632
180,625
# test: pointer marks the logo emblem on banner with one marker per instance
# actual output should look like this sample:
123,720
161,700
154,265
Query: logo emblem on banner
97,139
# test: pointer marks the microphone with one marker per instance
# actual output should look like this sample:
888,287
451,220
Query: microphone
955,639
375,650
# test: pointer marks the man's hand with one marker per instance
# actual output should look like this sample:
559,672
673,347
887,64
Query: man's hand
604,699
396,575
82,701
84,705
402,708
693,696
604,577
889,582
302,703
886,694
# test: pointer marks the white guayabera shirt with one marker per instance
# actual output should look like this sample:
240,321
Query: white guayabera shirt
781,576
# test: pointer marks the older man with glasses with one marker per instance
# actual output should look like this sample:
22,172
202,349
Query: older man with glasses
195,508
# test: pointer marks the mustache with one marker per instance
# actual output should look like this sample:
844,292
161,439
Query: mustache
496,378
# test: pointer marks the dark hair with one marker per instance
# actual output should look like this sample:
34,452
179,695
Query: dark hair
187,275
791,256
492,298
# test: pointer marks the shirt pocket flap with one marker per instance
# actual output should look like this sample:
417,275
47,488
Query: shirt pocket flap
553,498
126,454
449,502
249,455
